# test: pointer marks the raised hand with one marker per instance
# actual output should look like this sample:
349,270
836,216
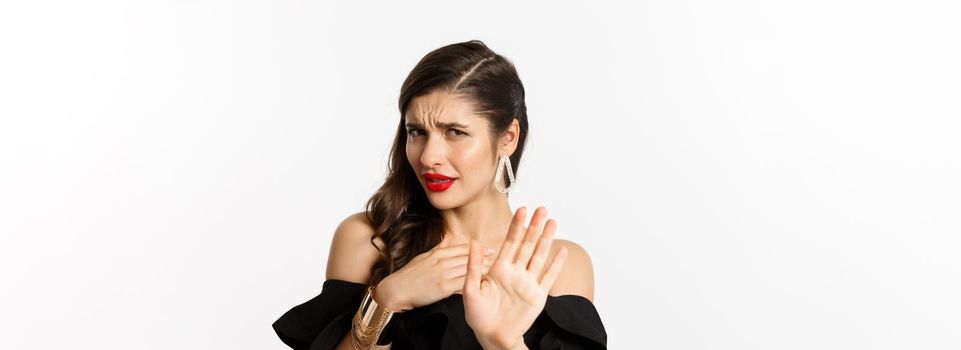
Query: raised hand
503,304
428,277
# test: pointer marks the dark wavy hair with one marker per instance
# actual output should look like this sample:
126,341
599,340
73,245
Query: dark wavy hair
399,211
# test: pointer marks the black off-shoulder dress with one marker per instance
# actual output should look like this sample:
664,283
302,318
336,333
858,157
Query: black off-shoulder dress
567,322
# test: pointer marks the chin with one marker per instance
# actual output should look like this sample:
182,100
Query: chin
444,200
440,203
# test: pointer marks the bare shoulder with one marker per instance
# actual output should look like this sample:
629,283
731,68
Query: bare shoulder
577,276
351,253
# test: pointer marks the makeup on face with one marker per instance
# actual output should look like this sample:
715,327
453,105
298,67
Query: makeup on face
438,182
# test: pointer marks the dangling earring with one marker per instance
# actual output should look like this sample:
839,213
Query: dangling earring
504,161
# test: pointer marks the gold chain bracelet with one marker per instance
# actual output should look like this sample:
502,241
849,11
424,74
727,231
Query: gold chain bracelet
369,321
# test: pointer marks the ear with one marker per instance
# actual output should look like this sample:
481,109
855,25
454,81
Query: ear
507,142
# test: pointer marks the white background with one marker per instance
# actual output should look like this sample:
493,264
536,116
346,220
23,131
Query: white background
744,174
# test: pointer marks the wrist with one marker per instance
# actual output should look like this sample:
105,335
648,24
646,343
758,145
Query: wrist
385,298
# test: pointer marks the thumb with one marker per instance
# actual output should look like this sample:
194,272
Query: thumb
475,266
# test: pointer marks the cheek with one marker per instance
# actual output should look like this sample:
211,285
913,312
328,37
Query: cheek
412,157
472,160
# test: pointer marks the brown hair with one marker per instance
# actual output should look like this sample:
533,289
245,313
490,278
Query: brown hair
399,211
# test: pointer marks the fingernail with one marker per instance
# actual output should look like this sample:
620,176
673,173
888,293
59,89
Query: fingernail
490,250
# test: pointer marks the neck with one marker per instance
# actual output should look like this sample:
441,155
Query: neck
485,220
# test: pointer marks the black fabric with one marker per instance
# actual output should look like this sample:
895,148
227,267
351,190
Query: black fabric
567,322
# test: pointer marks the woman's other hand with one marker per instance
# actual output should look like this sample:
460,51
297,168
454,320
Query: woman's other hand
503,304
428,277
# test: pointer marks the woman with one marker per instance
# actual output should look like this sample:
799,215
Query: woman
438,260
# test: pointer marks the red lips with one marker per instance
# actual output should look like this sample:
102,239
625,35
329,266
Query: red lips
438,182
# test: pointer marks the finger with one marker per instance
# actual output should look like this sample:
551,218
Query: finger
543,249
530,239
449,251
474,269
453,262
514,236
551,276
460,262
458,281
461,271
457,284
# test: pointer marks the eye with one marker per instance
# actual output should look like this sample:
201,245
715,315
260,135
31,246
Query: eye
411,132
457,132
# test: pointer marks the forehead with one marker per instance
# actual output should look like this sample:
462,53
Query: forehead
440,107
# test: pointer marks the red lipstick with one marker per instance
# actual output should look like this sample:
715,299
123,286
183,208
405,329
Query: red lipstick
438,182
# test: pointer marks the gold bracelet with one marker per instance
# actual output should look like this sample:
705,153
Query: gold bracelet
369,321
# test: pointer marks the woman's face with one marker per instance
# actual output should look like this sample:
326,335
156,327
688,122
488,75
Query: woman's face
445,137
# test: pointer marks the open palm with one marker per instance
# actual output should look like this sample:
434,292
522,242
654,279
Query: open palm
502,305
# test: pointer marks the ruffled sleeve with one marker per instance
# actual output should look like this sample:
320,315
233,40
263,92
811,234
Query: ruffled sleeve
575,324
323,321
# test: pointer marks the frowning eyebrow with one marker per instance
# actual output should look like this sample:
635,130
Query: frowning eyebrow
441,124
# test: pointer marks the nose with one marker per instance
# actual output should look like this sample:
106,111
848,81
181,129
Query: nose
435,150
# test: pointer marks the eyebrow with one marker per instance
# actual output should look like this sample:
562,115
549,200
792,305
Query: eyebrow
441,124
